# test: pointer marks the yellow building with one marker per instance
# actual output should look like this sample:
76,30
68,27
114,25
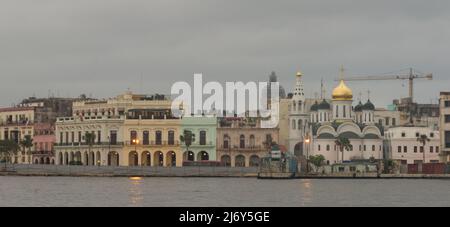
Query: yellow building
15,124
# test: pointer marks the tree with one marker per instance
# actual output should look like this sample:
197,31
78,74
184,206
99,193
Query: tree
317,161
423,139
27,144
343,143
7,148
187,138
89,139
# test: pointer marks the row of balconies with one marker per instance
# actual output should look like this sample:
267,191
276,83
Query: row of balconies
239,148
20,122
131,143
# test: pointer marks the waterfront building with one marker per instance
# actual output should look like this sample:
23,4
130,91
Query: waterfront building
152,136
339,119
204,130
241,141
444,123
387,118
129,130
44,138
15,124
402,145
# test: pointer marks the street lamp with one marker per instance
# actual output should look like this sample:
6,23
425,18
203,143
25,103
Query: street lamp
307,142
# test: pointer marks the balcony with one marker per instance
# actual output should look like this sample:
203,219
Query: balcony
207,144
153,143
77,144
16,123
242,149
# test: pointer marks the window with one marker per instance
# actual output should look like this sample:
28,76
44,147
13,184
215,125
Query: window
67,137
252,141
447,118
113,137
293,124
447,103
318,147
226,142
415,149
403,134
387,120
373,147
133,136
300,122
337,111
431,135
72,136
202,138
394,121
345,113
405,149
145,138
328,147
421,149
365,148
80,137
447,139
171,136
437,149
99,137
431,149
417,134
380,122
242,141
61,135
158,139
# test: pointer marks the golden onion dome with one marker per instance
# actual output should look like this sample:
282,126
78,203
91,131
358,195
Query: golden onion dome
342,92
299,74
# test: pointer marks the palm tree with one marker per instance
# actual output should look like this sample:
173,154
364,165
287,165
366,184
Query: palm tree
423,139
8,147
26,144
187,138
89,139
342,143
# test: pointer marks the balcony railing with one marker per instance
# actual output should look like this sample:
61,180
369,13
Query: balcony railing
209,143
239,148
153,143
76,144
21,122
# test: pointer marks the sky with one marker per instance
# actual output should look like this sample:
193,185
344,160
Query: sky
104,47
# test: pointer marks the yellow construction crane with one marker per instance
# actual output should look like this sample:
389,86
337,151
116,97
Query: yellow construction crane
411,76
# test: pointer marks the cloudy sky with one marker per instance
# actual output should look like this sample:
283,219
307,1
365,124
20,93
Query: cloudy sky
104,47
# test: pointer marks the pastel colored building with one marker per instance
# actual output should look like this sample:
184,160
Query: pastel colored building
444,123
242,142
44,139
403,146
205,130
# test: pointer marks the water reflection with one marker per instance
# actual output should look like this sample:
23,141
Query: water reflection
307,187
135,191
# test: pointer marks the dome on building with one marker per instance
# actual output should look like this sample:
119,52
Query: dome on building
342,92
368,106
358,108
299,74
315,107
324,105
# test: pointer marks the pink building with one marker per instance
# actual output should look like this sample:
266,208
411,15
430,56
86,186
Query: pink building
44,138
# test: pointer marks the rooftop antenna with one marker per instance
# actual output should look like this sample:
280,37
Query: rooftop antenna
368,94
322,90
341,72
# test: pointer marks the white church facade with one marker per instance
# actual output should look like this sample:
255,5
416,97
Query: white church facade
314,131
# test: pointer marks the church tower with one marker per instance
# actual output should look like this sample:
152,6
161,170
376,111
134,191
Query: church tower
298,118
342,101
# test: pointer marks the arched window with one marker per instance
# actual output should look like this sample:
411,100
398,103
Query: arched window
337,111
295,106
299,105
226,142
242,141
300,124
293,124
345,111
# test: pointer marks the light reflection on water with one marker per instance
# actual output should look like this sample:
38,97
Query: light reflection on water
88,191
136,194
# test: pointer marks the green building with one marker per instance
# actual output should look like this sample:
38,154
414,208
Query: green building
203,130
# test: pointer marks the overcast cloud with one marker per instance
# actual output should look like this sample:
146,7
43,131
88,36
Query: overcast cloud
102,48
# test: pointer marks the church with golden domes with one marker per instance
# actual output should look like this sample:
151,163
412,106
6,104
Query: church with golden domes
329,120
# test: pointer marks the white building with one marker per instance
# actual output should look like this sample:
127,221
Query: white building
445,126
402,145
298,118
338,119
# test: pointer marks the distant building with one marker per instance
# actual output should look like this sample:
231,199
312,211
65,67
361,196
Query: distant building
414,114
402,145
241,141
204,147
444,105
130,130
